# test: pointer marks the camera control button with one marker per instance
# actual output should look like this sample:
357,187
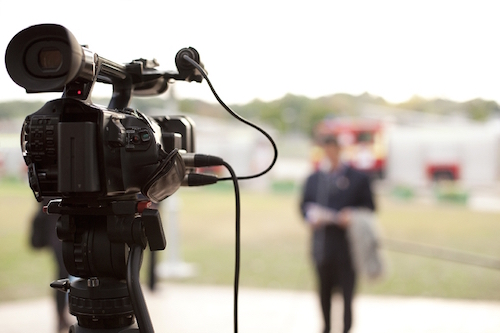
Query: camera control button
136,139
145,137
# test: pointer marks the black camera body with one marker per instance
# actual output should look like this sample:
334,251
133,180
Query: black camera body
77,150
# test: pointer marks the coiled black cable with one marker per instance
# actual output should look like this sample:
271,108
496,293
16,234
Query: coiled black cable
237,116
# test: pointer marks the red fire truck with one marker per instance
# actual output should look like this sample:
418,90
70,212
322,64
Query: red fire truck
362,141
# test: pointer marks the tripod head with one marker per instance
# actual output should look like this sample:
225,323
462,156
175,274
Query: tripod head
103,245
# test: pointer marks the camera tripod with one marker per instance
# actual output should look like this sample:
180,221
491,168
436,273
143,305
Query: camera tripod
103,244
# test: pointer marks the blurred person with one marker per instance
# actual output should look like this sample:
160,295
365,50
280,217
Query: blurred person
330,198
43,235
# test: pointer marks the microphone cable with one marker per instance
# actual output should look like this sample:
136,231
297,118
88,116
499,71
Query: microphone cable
237,116
237,244
200,179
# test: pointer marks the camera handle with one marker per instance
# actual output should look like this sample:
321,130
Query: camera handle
139,77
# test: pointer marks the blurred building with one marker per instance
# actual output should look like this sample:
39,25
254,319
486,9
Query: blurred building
424,148
11,159
465,152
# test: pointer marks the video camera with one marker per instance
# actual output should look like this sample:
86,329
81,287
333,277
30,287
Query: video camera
103,165
84,152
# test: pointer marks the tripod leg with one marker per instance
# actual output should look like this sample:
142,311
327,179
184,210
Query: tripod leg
135,291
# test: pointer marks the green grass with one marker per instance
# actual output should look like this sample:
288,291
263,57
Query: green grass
449,226
24,272
275,245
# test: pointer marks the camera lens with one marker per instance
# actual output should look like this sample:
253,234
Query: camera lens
50,59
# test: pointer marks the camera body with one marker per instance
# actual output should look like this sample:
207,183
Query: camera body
82,152
78,150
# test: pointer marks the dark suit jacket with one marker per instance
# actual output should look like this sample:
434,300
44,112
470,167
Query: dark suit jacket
351,188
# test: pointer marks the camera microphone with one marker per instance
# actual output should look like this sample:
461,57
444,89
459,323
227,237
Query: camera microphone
184,60
189,52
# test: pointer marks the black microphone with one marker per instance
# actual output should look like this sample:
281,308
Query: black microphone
184,60
184,64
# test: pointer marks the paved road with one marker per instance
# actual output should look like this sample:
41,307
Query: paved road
179,308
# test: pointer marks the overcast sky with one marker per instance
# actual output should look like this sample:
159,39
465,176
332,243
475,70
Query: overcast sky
265,49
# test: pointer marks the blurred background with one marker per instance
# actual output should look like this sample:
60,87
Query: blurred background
411,88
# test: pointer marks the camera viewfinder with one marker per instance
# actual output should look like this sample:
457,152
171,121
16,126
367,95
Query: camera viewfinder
50,59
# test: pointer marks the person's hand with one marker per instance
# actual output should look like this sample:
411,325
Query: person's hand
344,218
318,216
316,224
314,216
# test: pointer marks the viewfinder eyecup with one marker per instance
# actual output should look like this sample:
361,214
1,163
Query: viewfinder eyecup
44,58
